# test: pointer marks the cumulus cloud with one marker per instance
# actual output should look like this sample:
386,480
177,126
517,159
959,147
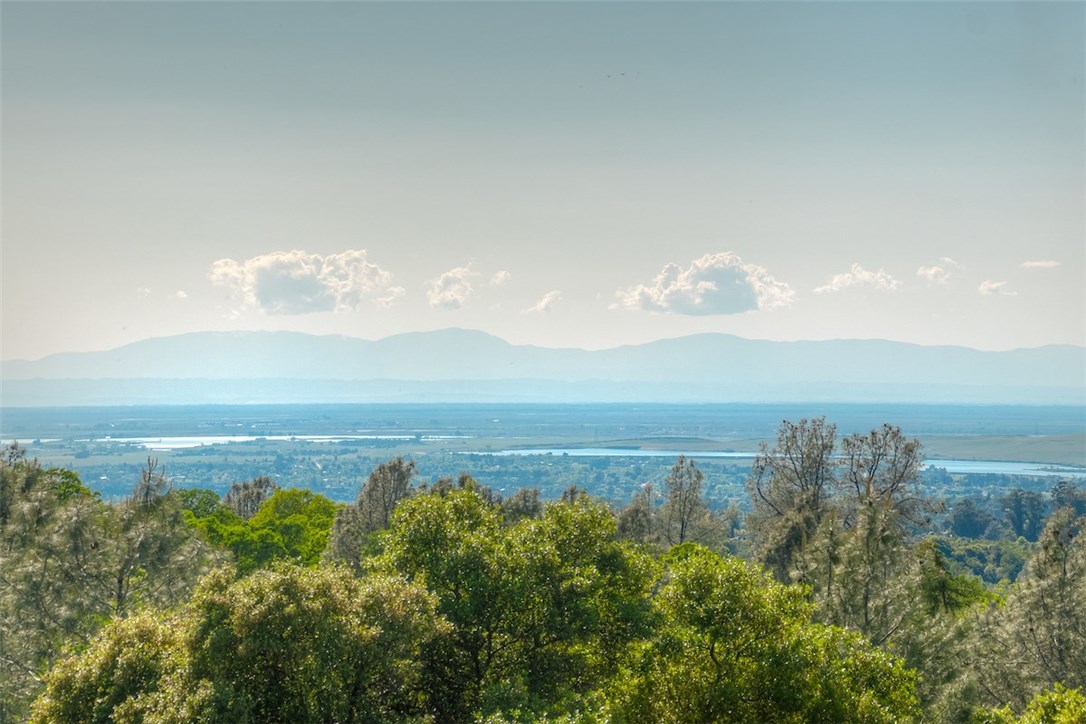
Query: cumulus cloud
451,289
938,273
714,284
857,276
180,294
990,288
296,282
1040,264
500,278
546,302
934,274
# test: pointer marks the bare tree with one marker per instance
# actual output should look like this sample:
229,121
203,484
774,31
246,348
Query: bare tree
684,506
880,484
151,486
388,484
245,499
882,468
789,489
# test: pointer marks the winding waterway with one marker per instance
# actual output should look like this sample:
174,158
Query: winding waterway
990,467
997,467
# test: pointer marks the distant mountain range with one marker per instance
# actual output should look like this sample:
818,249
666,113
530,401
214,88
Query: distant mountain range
456,365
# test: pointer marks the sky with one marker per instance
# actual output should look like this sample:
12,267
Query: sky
559,174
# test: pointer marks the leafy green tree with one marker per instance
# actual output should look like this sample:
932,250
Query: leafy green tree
734,645
930,636
1058,705
1036,636
449,543
301,519
285,644
524,503
637,521
1025,512
224,528
992,561
291,524
969,521
582,600
540,610
122,677
200,502
314,639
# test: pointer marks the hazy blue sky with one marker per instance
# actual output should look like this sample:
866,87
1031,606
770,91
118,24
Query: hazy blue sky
559,174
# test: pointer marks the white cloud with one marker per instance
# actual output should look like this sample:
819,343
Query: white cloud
500,278
857,276
939,273
714,284
143,292
451,289
934,274
989,288
546,302
296,282
180,294
1040,264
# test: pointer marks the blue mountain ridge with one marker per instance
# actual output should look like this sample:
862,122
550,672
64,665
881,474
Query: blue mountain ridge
722,366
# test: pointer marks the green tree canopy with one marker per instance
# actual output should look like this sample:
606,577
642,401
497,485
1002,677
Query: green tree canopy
69,562
290,524
734,645
540,609
1036,637
284,644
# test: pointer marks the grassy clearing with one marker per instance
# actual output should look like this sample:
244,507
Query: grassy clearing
1058,449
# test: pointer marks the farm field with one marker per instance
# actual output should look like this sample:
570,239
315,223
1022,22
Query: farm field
611,450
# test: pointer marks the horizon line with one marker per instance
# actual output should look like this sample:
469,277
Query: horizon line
469,330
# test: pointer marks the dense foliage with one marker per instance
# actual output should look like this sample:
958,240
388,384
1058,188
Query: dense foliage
446,602
288,525
70,562
285,644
